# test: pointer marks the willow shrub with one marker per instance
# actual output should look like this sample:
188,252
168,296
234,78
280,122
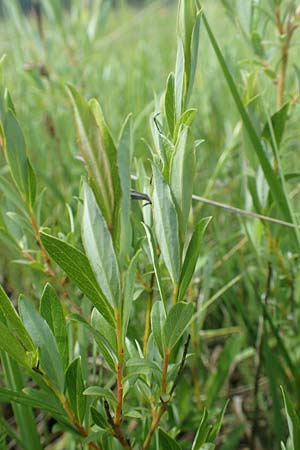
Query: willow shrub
125,398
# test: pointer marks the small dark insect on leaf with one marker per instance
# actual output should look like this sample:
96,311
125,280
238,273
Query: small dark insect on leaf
140,196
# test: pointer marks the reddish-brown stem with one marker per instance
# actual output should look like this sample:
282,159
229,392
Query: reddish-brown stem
148,317
81,430
146,286
175,294
290,28
119,369
116,422
164,404
154,425
40,245
165,371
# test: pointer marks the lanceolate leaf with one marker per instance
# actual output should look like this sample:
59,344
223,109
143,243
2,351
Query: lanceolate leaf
278,121
176,323
191,257
77,267
14,379
166,442
43,338
124,159
194,54
166,225
186,118
129,292
14,321
75,388
112,154
182,173
52,311
292,420
179,78
202,432
101,341
170,103
24,399
158,317
13,348
155,262
99,391
31,184
99,248
95,155
15,152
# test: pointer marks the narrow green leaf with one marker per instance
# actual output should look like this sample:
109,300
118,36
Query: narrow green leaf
191,257
129,292
158,317
98,391
13,348
166,225
8,430
95,154
46,400
278,122
31,184
102,341
176,323
98,418
15,151
105,329
182,172
166,442
217,426
274,183
15,377
124,160
77,267
208,446
14,321
43,338
28,400
179,78
202,432
170,103
8,188
186,118
194,55
99,248
52,311
75,388
9,241
155,262
292,420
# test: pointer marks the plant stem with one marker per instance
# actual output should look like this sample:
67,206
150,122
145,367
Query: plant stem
196,378
116,422
175,294
148,316
154,425
165,371
119,369
46,258
81,430
164,404
290,28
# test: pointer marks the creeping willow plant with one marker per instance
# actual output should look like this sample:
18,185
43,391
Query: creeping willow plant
125,253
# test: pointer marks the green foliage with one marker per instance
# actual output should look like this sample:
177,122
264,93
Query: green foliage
127,316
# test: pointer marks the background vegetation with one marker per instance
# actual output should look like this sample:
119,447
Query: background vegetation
245,290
